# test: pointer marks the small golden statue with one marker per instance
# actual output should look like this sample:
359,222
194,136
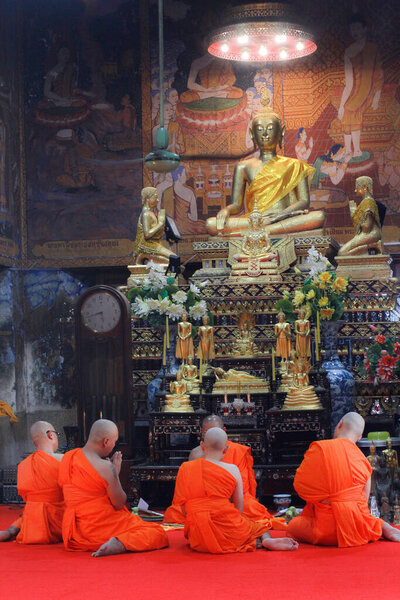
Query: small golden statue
301,395
283,339
150,231
178,400
366,222
391,458
184,340
190,376
279,183
396,516
303,338
237,381
244,339
206,349
256,242
373,458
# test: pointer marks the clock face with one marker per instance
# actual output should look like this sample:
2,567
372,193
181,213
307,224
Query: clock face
101,312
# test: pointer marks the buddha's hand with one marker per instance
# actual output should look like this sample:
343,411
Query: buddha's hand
222,217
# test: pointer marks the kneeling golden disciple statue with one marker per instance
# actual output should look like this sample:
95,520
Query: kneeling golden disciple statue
150,231
279,183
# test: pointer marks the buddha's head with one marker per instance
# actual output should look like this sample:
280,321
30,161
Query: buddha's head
179,375
281,317
206,320
389,443
364,186
372,449
267,129
190,360
302,313
184,316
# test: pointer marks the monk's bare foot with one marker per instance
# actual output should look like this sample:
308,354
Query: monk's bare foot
113,546
390,533
284,543
9,534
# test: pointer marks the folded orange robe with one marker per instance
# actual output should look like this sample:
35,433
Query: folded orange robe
239,455
336,472
37,483
90,519
212,523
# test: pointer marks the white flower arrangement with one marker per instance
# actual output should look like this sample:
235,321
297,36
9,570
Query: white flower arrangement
180,297
316,262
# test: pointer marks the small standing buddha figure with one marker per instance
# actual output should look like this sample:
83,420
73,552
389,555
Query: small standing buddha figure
303,340
283,340
178,400
184,340
391,458
190,376
396,516
206,348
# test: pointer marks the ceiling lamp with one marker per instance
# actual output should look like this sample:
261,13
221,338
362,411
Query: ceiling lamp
263,32
161,160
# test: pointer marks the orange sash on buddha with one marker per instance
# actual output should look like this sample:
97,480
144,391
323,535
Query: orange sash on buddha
37,483
90,519
239,455
331,479
212,523
274,181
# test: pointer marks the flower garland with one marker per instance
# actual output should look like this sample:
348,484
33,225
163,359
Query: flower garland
158,296
382,359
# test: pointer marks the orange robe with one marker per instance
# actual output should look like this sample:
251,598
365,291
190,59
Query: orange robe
239,455
212,523
37,483
90,519
335,471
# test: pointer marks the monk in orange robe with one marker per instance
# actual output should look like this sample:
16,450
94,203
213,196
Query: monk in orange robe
210,493
95,515
239,455
335,481
37,483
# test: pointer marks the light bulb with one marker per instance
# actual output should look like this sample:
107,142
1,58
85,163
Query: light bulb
245,55
243,39
299,46
281,38
224,48
263,51
283,54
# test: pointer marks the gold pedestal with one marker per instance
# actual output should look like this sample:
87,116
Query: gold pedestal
302,399
139,272
364,266
175,405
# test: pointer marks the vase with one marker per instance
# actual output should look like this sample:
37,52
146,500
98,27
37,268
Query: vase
341,381
154,387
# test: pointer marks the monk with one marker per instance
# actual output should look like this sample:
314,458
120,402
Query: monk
95,516
210,493
335,481
239,455
37,483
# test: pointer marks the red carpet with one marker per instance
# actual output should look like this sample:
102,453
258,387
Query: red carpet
177,573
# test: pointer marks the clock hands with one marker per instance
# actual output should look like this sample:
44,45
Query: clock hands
94,314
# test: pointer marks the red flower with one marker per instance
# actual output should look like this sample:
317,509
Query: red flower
373,328
384,352
396,349
380,338
386,365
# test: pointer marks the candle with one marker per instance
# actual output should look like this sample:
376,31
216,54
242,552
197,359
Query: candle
248,397
225,398
273,365
201,369
164,355
318,336
167,330
316,348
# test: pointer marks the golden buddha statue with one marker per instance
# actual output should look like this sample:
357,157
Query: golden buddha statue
256,243
244,344
178,400
206,348
184,340
303,339
279,183
237,381
283,338
301,395
391,458
366,222
373,458
190,376
150,231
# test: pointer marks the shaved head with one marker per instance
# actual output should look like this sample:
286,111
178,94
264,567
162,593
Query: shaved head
351,426
215,439
38,430
211,421
101,429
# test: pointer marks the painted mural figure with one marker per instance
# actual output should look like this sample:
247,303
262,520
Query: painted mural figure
332,166
78,173
302,151
126,119
363,84
216,80
186,214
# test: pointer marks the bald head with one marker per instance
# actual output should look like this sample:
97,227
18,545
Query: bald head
39,430
211,421
102,429
44,436
215,439
350,426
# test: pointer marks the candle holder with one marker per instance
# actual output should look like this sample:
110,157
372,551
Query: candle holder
238,405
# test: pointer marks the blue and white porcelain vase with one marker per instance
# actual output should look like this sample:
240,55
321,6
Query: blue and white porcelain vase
341,381
155,384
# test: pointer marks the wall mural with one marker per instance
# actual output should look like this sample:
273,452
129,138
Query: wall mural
83,130
9,134
341,107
